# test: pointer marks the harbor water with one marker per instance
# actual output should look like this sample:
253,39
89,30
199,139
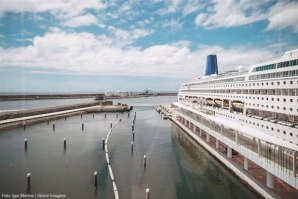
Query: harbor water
176,167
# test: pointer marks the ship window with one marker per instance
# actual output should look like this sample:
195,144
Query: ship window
272,129
272,83
291,100
285,82
277,107
291,82
291,109
285,100
284,108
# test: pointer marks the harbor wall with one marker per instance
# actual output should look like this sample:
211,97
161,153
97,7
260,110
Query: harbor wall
25,113
49,96
46,114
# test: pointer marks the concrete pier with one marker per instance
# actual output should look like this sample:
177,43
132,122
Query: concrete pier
229,152
17,118
269,180
245,163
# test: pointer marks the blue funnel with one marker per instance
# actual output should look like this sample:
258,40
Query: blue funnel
211,65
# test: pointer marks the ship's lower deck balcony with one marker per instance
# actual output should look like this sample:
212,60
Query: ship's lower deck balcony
278,159
249,168
269,116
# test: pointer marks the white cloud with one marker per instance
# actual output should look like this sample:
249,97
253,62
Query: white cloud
60,8
200,18
173,24
124,38
284,15
191,6
172,7
85,53
83,20
229,13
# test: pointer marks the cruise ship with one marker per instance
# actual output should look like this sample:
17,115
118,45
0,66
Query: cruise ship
250,116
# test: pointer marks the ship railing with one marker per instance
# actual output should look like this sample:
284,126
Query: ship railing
282,157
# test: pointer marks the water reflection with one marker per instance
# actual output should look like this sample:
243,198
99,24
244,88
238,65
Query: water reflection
177,168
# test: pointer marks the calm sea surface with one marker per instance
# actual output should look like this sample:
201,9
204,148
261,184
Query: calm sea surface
176,167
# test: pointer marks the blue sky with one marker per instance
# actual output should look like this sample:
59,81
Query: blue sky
93,45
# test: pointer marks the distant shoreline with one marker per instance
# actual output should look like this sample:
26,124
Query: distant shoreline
74,96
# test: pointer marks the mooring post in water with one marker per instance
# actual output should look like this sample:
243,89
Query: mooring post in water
105,115
24,126
116,115
53,126
132,127
103,144
82,126
25,143
95,179
48,122
93,115
65,118
131,146
81,115
111,125
28,181
133,135
147,193
128,114
145,160
64,143
120,120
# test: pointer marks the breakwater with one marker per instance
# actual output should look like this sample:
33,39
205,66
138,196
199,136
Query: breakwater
28,117
49,96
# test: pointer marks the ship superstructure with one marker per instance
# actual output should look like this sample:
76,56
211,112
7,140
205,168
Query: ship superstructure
253,112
